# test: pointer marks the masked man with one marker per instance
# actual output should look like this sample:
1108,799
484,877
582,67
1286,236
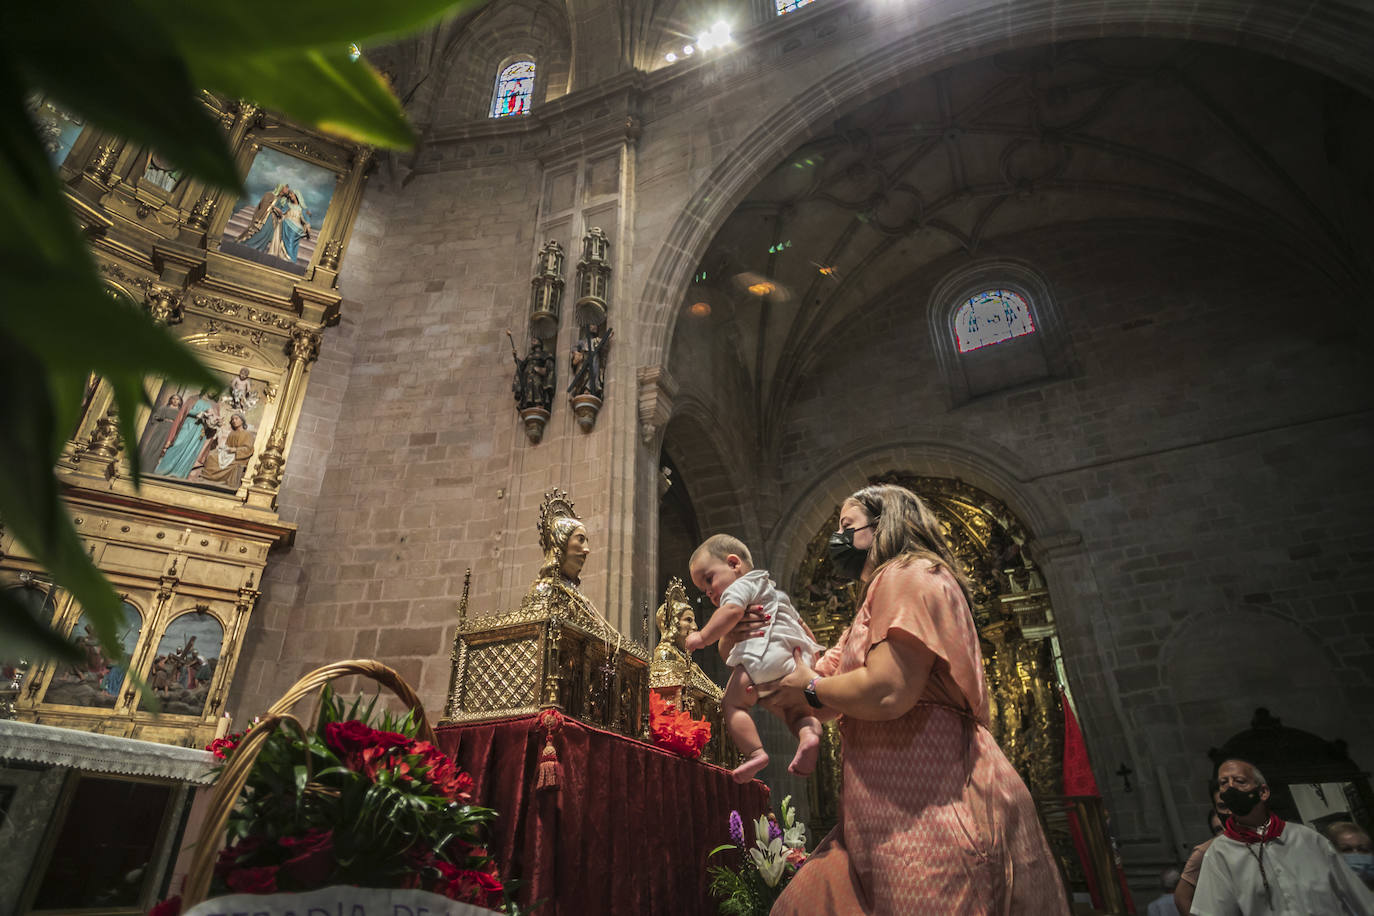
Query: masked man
1261,865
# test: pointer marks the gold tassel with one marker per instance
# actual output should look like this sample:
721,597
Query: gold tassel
549,775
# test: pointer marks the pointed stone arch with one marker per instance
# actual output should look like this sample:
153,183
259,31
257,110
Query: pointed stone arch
1285,30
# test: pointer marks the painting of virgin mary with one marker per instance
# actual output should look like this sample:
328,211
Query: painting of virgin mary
277,224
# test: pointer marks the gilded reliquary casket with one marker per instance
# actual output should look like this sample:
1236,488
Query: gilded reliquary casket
549,656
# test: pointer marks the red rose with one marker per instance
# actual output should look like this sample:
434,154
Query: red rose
253,880
350,739
451,782
311,858
375,759
231,856
169,907
221,747
475,887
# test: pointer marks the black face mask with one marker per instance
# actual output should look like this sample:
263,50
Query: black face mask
847,559
1240,802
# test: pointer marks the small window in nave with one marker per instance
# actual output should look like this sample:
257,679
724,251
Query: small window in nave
990,317
514,87
788,6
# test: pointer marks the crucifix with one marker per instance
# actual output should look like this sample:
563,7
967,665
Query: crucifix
1125,773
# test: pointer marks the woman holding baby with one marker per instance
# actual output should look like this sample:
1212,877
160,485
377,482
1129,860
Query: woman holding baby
933,817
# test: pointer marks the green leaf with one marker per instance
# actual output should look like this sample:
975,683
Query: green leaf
317,87
255,26
68,389
28,637
129,396
153,102
117,338
35,224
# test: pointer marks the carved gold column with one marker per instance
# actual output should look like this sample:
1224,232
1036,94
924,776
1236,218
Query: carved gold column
304,348
338,222
236,117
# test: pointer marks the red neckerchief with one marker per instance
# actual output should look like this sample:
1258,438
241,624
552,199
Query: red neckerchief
1243,834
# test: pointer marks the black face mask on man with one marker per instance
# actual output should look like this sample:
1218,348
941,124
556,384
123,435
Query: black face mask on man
1239,801
847,559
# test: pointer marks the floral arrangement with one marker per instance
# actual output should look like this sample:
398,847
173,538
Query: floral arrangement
353,804
766,867
675,729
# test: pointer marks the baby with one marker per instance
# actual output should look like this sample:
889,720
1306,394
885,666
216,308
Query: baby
723,569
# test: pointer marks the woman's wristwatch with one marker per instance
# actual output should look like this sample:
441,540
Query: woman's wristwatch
810,693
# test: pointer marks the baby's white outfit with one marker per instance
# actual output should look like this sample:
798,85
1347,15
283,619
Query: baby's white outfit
768,657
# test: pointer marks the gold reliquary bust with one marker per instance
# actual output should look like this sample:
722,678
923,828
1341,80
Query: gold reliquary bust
555,650
675,677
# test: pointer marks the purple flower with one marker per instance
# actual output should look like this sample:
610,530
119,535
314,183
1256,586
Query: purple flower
736,829
774,831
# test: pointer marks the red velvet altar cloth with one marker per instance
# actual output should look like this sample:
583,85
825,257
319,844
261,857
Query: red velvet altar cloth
626,831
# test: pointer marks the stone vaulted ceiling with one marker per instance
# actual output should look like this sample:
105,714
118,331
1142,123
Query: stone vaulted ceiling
1155,132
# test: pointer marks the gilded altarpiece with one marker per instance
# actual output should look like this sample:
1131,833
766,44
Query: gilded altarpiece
1015,622
248,281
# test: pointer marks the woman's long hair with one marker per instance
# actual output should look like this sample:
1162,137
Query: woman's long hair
904,529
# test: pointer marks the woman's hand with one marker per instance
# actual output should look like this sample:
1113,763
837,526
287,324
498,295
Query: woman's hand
753,622
787,690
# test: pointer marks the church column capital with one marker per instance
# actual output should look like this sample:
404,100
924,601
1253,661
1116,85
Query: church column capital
656,392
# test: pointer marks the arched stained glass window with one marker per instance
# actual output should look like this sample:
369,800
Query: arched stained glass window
787,6
990,317
514,87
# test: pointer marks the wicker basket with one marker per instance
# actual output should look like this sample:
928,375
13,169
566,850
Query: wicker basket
231,781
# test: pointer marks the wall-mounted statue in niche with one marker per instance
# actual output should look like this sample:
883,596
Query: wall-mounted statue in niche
588,362
533,386
588,366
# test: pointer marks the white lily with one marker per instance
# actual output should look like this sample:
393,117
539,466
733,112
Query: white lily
769,860
795,836
761,831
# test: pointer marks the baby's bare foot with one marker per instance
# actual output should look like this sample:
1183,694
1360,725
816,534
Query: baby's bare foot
808,750
752,765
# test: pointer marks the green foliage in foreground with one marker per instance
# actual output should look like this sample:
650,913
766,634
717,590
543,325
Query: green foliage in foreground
136,67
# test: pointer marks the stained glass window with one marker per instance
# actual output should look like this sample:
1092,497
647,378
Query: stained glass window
990,317
514,87
787,6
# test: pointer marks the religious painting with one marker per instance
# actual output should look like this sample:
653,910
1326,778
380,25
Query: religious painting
94,681
185,664
277,222
57,130
159,171
202,436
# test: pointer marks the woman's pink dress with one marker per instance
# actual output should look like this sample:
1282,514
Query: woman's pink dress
933,819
